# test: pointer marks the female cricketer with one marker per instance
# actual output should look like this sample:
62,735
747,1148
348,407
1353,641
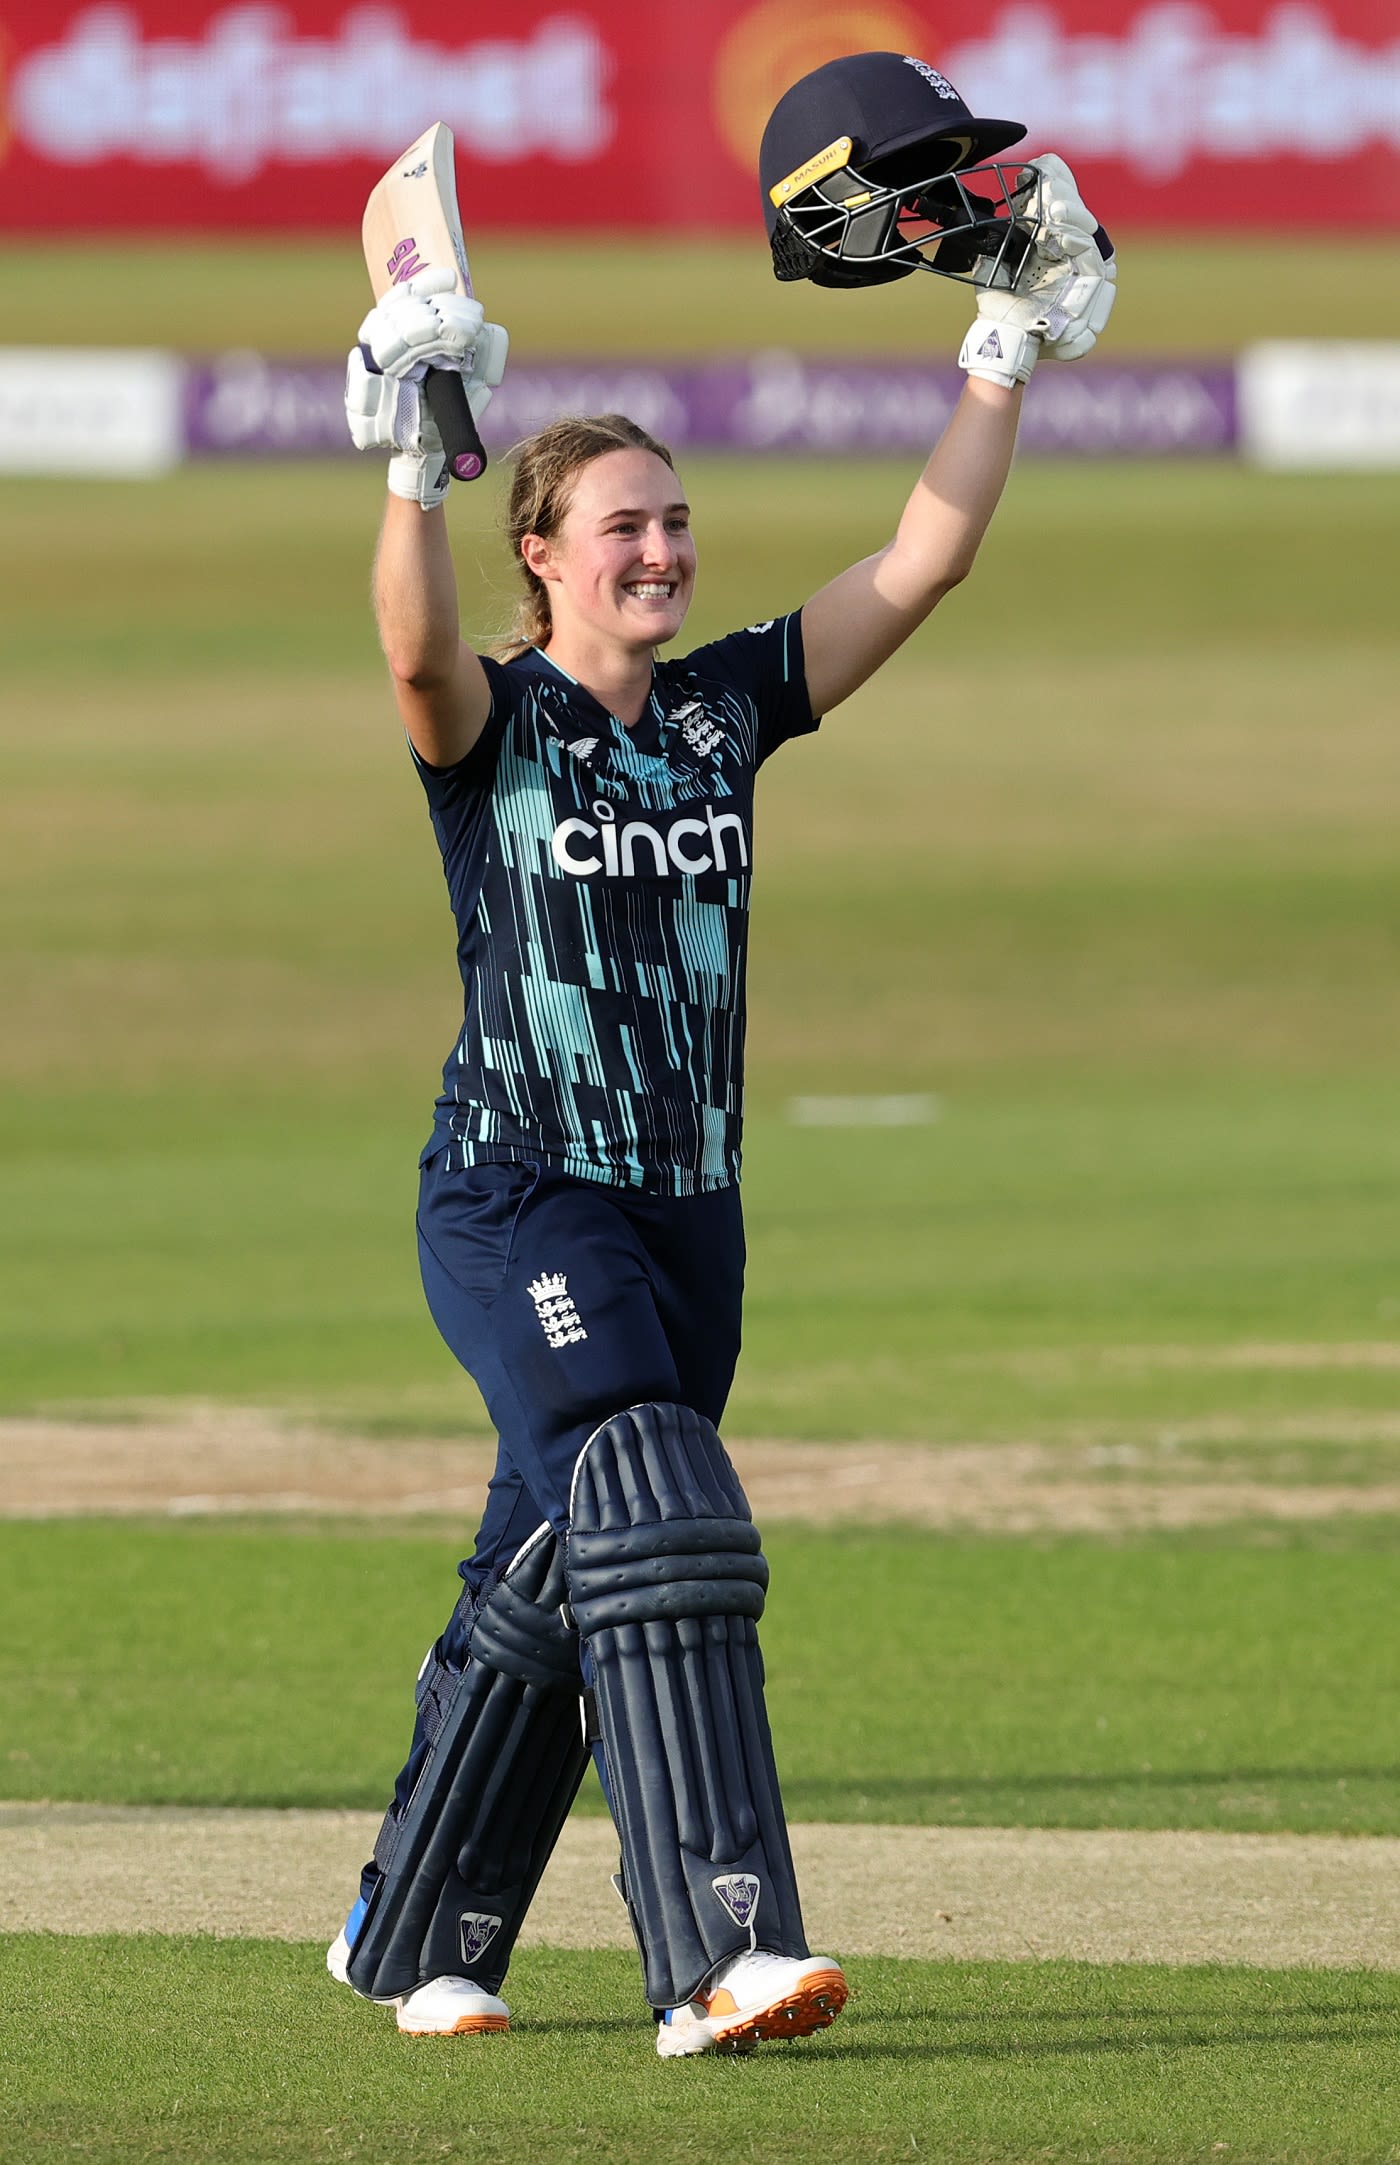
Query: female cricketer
579,1223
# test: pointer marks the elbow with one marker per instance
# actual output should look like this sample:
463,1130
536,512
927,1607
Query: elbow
917,584
417,680
947,579
959,569
414,670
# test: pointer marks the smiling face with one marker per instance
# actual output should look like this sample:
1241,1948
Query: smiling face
621,565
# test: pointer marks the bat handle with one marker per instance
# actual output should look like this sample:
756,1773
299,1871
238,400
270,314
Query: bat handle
447,403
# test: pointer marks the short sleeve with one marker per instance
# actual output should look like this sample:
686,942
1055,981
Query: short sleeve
471,776
765,664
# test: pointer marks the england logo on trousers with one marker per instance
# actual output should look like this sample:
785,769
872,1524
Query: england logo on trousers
739,1893
478,1929
555,1307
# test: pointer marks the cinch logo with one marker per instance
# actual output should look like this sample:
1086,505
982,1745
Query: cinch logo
634,849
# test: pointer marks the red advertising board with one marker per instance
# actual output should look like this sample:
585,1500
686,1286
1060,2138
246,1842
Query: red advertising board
183,115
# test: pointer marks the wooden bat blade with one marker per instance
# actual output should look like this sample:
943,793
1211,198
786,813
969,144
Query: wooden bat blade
412,224
411,220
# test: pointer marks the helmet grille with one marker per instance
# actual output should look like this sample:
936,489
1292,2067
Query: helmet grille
792,256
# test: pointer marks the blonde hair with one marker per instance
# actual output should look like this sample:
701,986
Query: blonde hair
541,490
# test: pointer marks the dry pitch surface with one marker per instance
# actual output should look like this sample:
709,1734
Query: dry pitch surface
995,1893
220,1460
980,1893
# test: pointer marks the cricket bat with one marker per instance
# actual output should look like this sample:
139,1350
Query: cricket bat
412,224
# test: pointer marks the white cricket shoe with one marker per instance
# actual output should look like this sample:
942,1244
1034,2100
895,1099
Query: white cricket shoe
451,2007
754,1996
448,2007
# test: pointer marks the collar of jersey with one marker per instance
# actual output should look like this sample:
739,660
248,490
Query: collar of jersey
536,657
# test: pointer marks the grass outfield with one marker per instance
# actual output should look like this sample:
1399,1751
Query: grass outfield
243,2051
1105,863
1209,1264
1208,295
1205,1683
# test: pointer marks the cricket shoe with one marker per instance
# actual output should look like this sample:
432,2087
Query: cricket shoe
446,2007
451,2007
338,1953
751,1997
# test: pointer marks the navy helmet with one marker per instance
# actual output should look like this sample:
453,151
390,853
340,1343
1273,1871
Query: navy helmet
864,167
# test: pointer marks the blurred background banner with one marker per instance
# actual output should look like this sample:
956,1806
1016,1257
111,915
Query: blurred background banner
244,405
165,116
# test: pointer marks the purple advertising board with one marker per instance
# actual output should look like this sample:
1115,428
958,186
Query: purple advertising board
244,405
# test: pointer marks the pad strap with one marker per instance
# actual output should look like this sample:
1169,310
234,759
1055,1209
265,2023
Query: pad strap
461,1859
666,1583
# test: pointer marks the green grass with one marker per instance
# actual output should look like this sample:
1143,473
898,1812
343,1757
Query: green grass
1207,294
193,2050
1176,570
1029,1264
1105,861
1150,1683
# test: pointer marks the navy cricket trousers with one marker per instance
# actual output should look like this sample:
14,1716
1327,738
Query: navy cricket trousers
567,1301
649,1309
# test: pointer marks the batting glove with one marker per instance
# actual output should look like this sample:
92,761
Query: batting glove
1066,232
422,322
1049,205
386,407
1078,306
1064,291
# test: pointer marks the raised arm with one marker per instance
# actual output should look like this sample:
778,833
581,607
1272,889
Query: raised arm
1060,302
439,683
441,687
867,612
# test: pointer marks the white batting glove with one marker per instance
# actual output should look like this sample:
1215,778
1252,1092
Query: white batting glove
1064,291
1003,344
1066,232
389,416
386,408
1048,201
1078,306
422,323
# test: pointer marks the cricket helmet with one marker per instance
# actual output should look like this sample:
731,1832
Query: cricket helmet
864,166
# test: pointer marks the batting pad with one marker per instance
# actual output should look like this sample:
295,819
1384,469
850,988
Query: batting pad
666,1584
462,1861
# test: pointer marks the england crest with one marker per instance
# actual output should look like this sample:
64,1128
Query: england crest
701,734
739,1893
477,1929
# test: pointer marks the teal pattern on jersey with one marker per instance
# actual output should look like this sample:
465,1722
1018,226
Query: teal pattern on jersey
600,880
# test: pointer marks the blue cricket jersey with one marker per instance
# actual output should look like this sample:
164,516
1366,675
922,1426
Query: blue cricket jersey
600,880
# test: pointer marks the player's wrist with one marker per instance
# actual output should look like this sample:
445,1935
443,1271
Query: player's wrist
999,352
419,478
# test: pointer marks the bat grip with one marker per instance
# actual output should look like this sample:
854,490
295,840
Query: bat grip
447,403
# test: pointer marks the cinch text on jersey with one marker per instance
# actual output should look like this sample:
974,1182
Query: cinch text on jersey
661,854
